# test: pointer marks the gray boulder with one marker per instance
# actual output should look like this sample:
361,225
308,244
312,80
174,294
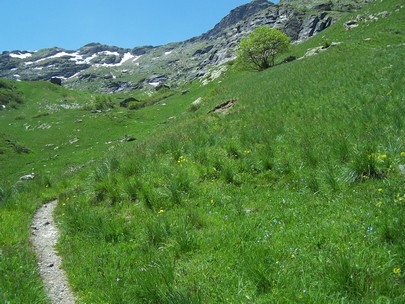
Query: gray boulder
27,177
56,80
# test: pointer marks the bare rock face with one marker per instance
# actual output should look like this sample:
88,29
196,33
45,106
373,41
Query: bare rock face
238,14
106,69
313,25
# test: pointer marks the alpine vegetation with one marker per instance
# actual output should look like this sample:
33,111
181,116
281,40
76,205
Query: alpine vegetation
279,186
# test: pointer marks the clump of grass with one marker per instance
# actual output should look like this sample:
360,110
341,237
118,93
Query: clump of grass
367,164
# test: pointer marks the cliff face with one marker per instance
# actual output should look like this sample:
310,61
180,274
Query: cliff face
237,15
109,69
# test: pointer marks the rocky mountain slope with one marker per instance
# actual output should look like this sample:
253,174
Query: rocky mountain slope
110,69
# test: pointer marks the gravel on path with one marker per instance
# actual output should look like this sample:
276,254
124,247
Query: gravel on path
44,235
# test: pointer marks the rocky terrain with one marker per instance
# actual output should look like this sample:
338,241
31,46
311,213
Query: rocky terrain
110,69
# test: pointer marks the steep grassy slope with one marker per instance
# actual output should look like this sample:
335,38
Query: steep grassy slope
296,195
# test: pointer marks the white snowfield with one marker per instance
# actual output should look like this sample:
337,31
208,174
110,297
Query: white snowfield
79,59
20,55
154,84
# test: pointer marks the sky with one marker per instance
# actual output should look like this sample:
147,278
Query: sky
70,24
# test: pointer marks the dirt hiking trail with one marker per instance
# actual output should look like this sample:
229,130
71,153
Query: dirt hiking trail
44,235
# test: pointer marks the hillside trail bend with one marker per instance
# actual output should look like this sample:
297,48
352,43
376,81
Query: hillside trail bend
44,235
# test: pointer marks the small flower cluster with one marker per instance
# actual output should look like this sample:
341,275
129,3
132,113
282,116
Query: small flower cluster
380,157
181,160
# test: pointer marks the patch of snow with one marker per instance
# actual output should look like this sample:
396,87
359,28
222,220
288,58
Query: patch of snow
20,55
75,75
58,55
154,84
127,56
17,76
168,53
28,63
110,53
77,58
136,58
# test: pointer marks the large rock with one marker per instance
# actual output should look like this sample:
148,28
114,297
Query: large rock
56,80
238,14
313,25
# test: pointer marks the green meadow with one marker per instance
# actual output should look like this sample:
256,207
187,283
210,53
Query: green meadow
294,195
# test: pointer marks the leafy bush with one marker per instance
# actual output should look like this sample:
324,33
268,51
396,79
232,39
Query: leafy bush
100,103
260,47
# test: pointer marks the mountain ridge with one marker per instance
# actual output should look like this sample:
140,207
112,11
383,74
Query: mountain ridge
109,69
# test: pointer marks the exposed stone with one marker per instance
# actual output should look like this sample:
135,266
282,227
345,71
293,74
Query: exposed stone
56,80
318,50
203,51
323,6
289,59
127,139
125,102
224,107
351,24
197,101
27,177
313,25
238,14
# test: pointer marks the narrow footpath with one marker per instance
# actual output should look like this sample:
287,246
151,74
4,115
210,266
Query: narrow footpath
44,235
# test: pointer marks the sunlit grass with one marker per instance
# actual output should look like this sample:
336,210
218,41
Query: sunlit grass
295,196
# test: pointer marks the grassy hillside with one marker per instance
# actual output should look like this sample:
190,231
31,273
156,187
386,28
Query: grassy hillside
296,195
55,134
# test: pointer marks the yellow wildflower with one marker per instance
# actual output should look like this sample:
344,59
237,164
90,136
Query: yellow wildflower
181,159
397,271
